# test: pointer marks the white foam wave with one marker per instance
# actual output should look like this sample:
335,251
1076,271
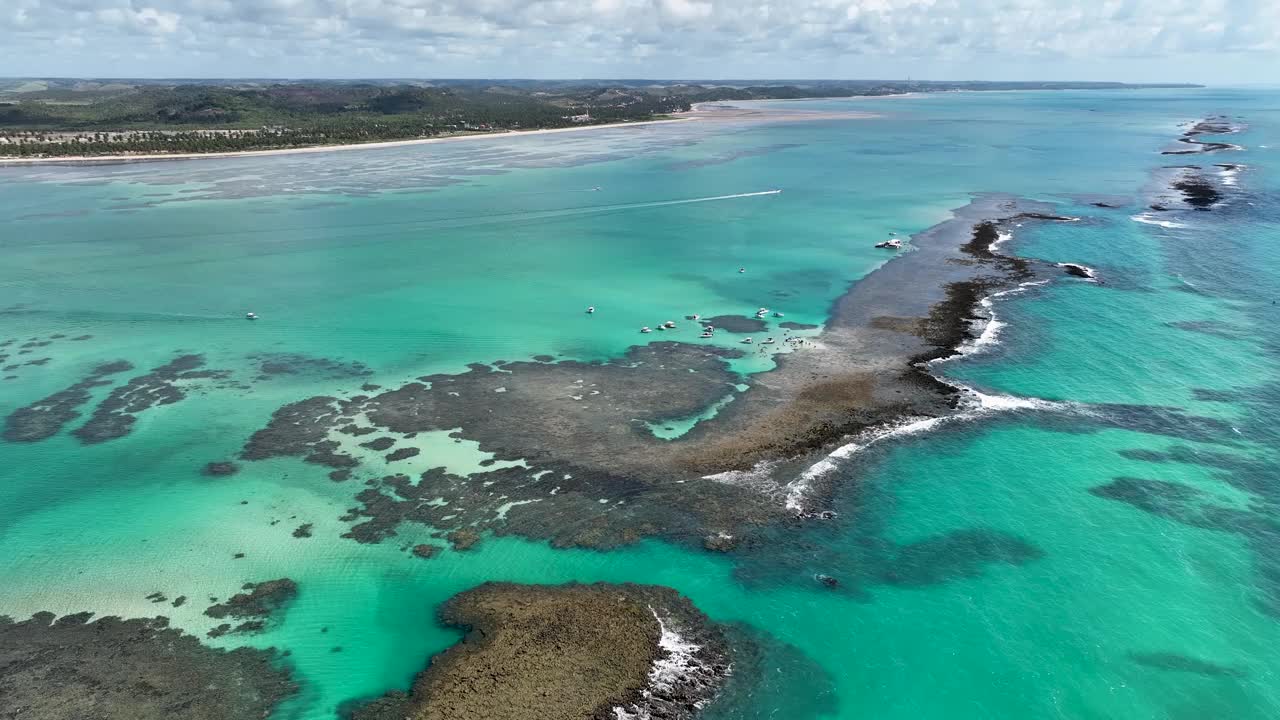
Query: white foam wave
975,404
1231,175
1001,239
1148,219
679,662
992,326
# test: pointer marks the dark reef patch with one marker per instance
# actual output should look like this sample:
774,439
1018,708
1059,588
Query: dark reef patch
380,444
221,468
262,602
956,555
403,453
113,669
1215,328
301,428
1182,663
1197,191
789,325
426,551
277,364
115,416
736,323
46,417
563,653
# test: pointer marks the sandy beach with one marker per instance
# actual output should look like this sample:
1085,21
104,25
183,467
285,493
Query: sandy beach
109,159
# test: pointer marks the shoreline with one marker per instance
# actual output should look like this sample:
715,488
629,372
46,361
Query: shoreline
119,159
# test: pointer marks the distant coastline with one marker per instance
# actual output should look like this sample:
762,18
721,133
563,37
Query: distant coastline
120,158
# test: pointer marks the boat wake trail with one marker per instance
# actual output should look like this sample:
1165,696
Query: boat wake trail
689,201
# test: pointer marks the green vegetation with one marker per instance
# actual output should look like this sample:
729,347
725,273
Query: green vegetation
58,117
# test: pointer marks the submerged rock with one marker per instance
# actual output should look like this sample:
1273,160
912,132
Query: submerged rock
114,669
568,652
220,468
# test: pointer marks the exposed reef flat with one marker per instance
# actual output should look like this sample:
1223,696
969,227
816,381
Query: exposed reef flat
570,652
114,669
592,473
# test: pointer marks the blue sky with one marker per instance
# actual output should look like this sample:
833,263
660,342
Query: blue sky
1209,41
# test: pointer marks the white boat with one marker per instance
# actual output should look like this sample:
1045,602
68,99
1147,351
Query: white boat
670,324
769,341
778,314
251,316
707,335
892,244
646,329
747,341
694,317
742,270
591,309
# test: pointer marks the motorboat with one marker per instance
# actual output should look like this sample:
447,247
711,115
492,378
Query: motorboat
694,317
646,329
707,334
892,244
747,341
769,341
742,270
250,316
669,325
778,314
591,309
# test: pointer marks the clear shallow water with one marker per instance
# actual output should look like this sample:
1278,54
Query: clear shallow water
425,259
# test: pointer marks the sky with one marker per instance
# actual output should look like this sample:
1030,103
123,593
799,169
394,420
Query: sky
1219,42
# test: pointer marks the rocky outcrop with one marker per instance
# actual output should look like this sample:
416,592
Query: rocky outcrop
570,652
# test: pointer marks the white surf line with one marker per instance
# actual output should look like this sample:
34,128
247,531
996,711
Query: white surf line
973,404
1147,219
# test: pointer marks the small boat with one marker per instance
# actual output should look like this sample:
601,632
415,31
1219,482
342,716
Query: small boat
762,311
670,324
742,270
747,341
591,309
693,317
892,244
706,334
778,314
646,329
769,341
250,316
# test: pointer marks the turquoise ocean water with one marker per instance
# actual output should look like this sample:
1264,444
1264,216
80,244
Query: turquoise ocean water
1145,515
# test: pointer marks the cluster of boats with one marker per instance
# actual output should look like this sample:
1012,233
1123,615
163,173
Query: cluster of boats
708,330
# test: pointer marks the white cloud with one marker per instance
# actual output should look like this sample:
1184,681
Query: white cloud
671,38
